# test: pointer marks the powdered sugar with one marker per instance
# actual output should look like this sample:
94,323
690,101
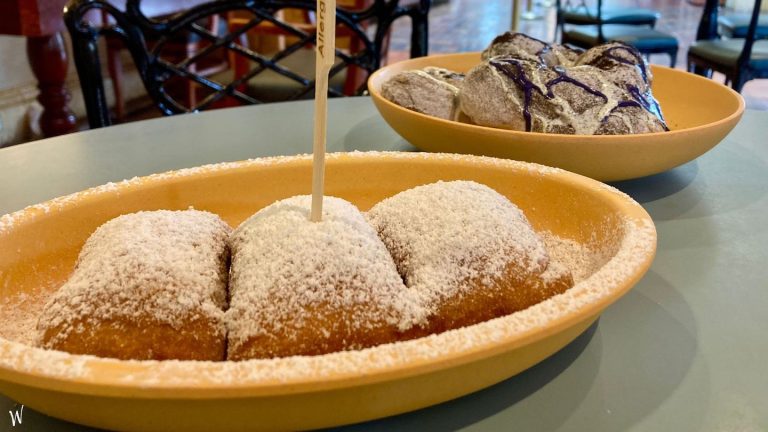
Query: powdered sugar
286,269
18,316
447,236
592,293
165,266
581,260
635,242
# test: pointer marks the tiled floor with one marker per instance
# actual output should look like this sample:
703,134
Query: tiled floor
469,25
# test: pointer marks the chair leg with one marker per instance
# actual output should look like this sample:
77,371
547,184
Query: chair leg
115,68
86,53
419,31
672,57
700,70
738,81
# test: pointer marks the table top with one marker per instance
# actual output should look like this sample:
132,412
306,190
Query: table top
684,350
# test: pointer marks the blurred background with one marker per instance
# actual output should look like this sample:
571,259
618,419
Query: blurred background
454,26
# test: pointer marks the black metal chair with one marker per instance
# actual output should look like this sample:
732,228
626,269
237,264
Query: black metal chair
739,59
583,14
606,28
158,72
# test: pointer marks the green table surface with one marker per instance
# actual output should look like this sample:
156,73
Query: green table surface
685,350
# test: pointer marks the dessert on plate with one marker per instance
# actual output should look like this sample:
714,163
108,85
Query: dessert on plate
468,251
528,85
158,285
147,286
306,288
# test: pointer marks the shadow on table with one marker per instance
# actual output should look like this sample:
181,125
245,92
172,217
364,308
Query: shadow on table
610,378
657,186
649,355
471,409
727,180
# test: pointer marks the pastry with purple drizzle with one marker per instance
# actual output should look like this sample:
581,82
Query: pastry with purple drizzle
605,91
528,85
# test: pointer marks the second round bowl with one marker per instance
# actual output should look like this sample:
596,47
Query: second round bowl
699,112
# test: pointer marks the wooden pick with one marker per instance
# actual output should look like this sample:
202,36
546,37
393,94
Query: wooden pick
326,57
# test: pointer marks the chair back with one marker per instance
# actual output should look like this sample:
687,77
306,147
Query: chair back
749,41
707,29
147,40
582,5
600,36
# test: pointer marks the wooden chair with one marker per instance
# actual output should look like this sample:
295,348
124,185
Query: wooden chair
158,72
608,28
739,59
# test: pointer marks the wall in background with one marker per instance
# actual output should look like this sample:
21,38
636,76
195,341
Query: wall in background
19,109
17,91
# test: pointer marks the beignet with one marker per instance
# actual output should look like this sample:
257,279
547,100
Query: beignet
468,251
307,288
147,286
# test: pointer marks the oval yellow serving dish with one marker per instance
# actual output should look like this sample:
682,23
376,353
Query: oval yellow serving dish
699,112
41,243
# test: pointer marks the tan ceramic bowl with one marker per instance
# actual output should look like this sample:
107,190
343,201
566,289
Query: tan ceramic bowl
700,113
40,245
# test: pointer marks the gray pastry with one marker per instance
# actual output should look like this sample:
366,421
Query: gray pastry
524,47
526,95
620,63
453,78
433,91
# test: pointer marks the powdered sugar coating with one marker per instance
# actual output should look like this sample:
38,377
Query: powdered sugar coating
602,285
635,245
288,273
447,236
161,266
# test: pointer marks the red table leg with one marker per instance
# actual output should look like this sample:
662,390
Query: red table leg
48,58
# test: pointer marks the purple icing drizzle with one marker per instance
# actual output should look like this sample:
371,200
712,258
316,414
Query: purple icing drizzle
513,69
518,77
609,53
641,100
563,77
527,86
